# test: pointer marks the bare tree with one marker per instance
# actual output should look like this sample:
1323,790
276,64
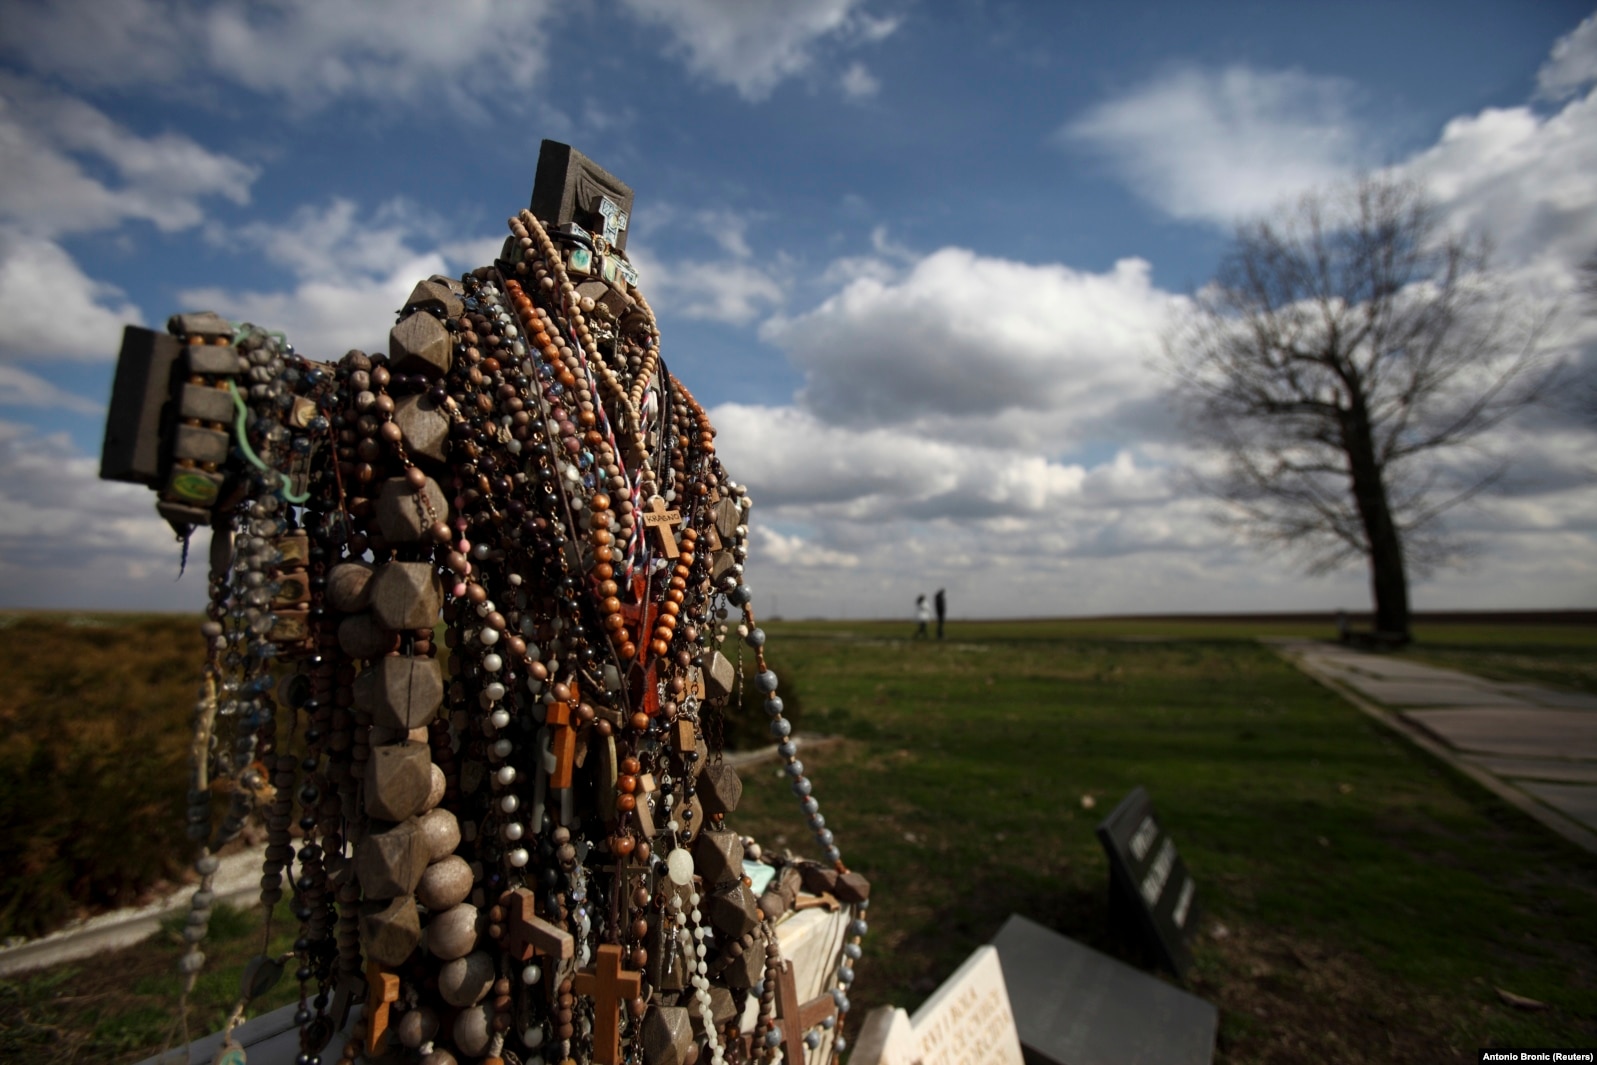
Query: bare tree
1342,365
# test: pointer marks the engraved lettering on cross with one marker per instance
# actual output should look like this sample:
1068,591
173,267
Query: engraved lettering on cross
661,520
609,986
797,1019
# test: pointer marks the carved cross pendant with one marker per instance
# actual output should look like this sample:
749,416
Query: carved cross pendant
660,521
797,1019
610,987
529,934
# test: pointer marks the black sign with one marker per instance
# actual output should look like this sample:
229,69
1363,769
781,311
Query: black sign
1151,895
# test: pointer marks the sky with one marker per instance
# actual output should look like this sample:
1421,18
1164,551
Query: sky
916,258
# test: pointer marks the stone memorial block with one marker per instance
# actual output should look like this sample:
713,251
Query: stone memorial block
1151,894
967,1021
1074,1005
570,187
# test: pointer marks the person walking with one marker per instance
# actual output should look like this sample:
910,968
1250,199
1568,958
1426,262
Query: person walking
923,616
942,610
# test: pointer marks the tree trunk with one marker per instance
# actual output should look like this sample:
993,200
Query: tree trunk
1388,575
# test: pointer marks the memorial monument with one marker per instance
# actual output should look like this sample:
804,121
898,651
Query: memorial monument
476,608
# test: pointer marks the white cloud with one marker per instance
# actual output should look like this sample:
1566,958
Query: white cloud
980,348
858,83
57,155
733,286
49,142
351,272
754,46
1572,64
68,539
51,308
1524,179
19,388
303,50
1217,145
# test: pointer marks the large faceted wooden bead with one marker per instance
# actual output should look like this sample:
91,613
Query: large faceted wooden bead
420,344
398,778
401,693
852,887
667,1035
747,969
431,295
363,636
720,788
446,883
453,933
424,428
390,931
407,595
718,855
818,879
390,863
349,587
406,514
734,911
722,1010
719,675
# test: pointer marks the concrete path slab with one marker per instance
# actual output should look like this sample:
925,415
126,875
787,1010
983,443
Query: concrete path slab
237,883
1546,697
1532,747
1567,772
1526,733
1573,800
1435,693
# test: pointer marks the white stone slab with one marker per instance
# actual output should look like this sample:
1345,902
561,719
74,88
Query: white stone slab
967,1021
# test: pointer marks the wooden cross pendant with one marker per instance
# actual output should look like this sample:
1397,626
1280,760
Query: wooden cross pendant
797,1019
661,520
610,987
382,992
563,739
529,934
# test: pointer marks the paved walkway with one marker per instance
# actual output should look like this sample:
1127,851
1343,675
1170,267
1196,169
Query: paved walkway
1534,747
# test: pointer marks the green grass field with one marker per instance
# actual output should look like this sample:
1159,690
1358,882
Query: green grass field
1360,902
